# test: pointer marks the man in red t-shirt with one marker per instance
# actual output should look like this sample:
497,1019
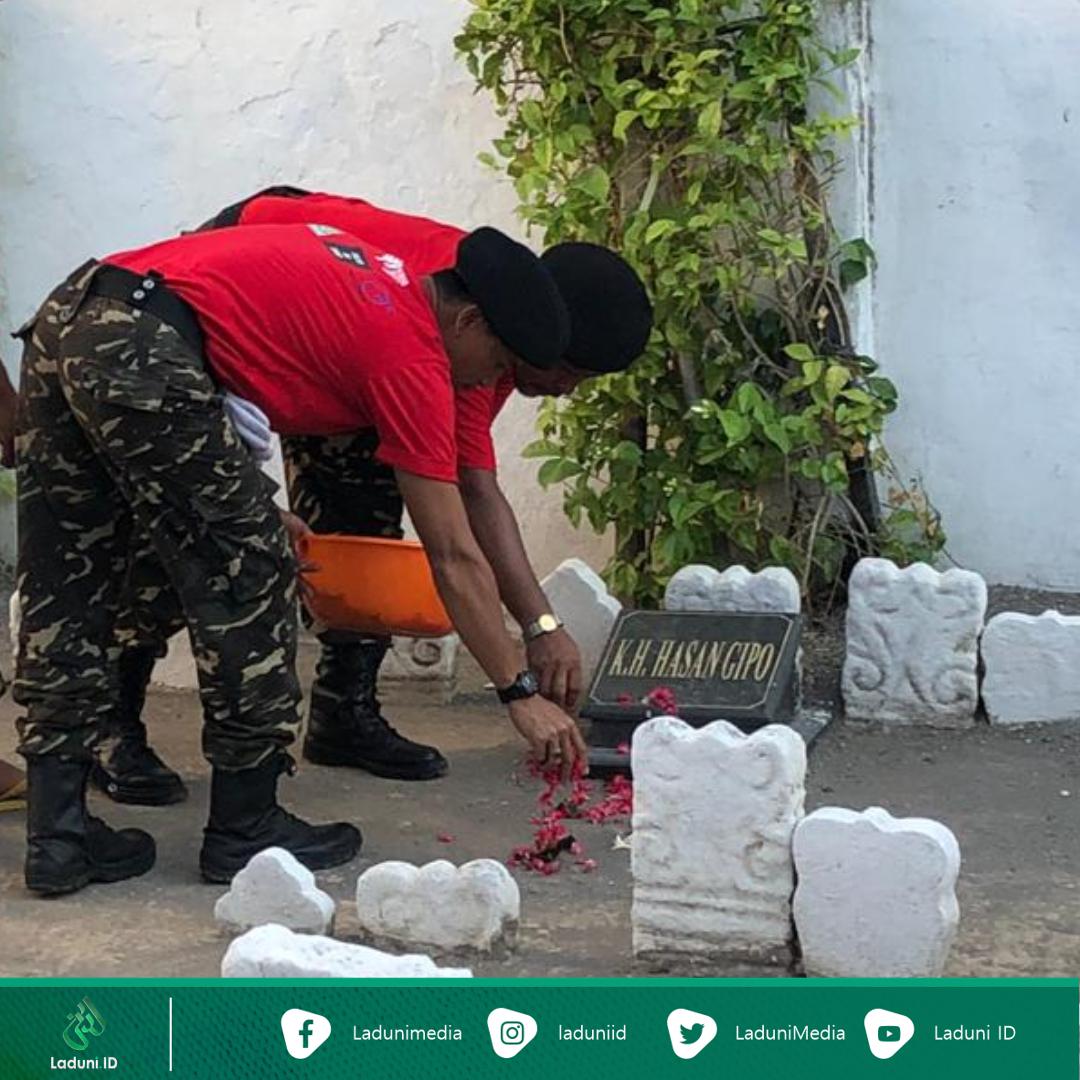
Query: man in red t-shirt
121,425
336,486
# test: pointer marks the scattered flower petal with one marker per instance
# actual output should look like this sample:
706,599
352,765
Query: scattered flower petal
556,805
663,701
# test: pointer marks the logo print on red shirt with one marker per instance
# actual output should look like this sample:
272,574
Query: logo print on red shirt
354,256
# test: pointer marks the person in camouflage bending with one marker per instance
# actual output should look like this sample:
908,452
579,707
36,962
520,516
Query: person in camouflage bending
121,425
337,485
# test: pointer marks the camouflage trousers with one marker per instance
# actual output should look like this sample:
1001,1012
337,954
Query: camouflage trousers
121,434
334,484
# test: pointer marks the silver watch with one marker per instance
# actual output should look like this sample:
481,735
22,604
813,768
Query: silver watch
545,624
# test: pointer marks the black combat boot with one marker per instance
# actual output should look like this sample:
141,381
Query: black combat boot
346,725
245,818
128,770
67,847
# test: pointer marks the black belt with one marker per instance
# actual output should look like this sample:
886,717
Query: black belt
148,292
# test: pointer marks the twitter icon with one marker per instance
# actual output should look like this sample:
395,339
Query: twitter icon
690,1032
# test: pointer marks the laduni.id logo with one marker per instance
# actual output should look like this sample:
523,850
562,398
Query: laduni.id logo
304,1032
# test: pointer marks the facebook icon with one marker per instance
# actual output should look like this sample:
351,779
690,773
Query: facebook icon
304,1032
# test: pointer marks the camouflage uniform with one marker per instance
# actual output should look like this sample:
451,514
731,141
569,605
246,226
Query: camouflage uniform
334,484
121,433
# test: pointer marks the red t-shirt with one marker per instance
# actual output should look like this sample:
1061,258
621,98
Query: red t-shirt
319,330
425,246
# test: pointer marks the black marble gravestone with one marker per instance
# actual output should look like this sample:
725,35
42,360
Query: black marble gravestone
719,666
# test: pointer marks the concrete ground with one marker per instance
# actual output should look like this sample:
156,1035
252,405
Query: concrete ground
1012,797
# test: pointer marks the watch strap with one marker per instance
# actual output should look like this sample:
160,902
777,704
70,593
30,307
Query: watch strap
524,686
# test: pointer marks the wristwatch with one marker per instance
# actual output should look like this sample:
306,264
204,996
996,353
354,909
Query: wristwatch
546,624
524,686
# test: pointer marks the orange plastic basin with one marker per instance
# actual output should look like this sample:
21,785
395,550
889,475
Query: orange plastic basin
374,586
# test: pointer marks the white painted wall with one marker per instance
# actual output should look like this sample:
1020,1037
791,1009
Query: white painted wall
123,121
976,222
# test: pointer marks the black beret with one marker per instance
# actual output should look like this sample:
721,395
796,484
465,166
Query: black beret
610,314
517,295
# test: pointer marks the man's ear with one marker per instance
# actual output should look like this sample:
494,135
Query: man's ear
469,317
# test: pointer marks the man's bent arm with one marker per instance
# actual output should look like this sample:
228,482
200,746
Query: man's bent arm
496,530
554,656
462,573
469,591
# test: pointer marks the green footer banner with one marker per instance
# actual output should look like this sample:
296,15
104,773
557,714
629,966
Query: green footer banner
479,1028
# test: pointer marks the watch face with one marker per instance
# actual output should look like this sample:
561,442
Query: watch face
547,623
529,683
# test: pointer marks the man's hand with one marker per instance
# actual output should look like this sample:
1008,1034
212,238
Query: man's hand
551,734
296,529
556,660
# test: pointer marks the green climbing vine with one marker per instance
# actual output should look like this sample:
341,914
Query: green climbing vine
682,135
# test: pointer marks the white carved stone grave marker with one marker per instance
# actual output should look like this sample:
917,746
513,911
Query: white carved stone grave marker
275,887
704,588
1032,668
912,644
876,895
581,600
440,905
274,952
714,811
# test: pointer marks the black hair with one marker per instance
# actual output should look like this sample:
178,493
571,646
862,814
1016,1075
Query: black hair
451,288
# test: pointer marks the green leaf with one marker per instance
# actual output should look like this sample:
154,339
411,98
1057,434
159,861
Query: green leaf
623,119
532,115
709,119
852,272
736,426
836,378
799,351
749,398
594,181
882,388
541,448
627,451
860,397
556,469
658,229
777,436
